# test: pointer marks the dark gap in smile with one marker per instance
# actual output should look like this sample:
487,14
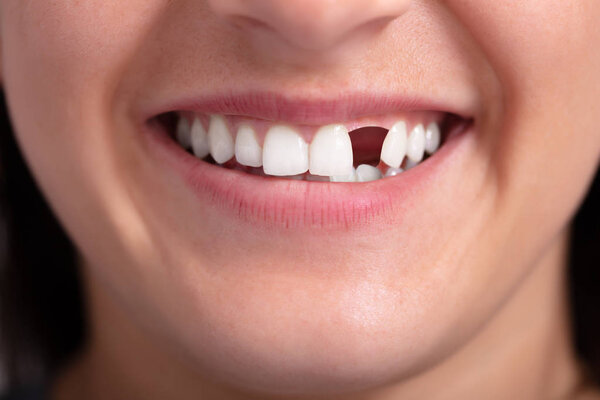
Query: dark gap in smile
366,144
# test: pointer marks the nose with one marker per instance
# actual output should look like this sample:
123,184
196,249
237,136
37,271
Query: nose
310,24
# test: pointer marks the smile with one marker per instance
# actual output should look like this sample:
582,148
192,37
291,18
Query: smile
249,158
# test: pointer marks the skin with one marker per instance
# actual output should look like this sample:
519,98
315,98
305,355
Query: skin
463,299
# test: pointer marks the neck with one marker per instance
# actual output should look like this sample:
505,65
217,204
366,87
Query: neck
525,351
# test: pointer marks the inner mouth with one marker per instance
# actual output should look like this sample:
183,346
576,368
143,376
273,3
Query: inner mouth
355,151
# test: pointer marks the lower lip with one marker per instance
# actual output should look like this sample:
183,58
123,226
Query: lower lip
290,204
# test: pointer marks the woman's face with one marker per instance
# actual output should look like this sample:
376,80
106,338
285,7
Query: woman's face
324,286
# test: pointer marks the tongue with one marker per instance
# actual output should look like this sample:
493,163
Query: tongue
366,144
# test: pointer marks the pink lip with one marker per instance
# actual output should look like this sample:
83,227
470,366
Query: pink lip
286,204
307,110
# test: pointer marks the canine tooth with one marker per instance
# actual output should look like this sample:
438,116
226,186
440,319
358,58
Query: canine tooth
432,138
247,150
393,172
351,177
284,152
416,144
182,133
331,151
220,140
367,173
393,150
199,139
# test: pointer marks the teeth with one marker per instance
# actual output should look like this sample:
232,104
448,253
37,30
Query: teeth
183,133
199,139
394,145
367,173
331,151
220,140
284,152
432,138
247,150
416,144
393,172
351,177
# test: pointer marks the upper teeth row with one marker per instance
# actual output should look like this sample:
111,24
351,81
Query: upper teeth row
285,152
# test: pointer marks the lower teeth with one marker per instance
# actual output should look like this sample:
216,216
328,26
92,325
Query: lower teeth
361,173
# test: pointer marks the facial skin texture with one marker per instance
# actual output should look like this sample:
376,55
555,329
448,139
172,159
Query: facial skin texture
459,297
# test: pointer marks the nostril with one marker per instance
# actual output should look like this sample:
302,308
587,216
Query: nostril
366,144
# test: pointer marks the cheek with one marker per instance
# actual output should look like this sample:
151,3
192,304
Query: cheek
61,68
61,64
544,55
86,39
543,52
63,58
542,143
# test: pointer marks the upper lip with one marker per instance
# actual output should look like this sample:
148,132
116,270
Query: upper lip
309,110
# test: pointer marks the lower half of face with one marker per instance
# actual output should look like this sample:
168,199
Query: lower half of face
263,189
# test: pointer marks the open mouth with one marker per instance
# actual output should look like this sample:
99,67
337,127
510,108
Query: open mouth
272,161
360,150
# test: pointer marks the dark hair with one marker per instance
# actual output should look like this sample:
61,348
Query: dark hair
41,305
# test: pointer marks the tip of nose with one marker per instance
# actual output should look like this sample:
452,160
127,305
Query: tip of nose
312,24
